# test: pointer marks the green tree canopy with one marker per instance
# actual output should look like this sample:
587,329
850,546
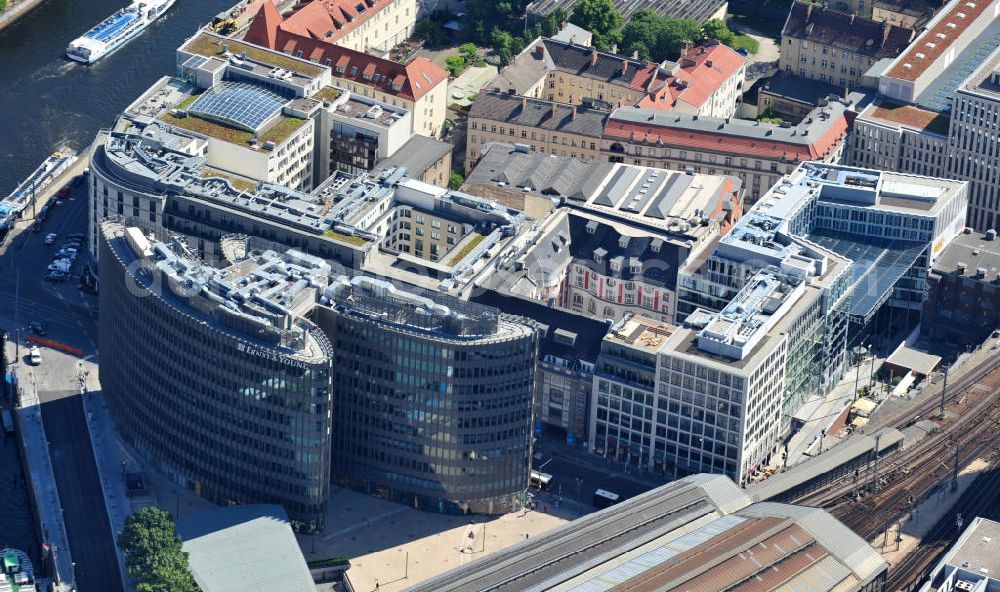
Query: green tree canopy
656,38
601,19
455,181
717,29
153,556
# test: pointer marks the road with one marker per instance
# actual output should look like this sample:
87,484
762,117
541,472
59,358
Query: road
576,474
69,317
80,492
25,296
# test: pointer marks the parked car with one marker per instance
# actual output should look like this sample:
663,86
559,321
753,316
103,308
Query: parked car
63,191
62,265
77,180
56,276
50,238
37,328
35,356
75,235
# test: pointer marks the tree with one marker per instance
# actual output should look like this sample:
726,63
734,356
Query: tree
455,181
455,64
432,32
469,52
676,34
656,38
153,556
717,29
601,19
502,43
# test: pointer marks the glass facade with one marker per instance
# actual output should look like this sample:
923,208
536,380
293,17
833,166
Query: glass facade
436,420
234,419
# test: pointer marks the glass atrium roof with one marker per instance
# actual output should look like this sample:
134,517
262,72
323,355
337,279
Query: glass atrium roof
876,266
240,104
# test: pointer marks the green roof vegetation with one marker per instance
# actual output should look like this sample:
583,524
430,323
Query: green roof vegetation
331,562
466,249
209,46
327,93
277,133
238,183
280,131
209,128
354,240
183,105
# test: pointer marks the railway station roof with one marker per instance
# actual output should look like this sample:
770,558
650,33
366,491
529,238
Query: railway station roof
697,533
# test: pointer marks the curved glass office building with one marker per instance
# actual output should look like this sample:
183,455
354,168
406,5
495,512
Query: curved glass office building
433,397
214,376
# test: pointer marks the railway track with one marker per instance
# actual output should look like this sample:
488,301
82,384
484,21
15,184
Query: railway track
836,492
916,565
917,472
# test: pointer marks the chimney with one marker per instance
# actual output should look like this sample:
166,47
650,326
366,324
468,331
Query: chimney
572,113
852,18
540,50
524,103
809,11
593,56
553,108
624,67
885,33
572,40
635,55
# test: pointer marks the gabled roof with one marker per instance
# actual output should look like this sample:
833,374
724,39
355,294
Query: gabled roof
331,19
538,113
411,81
845,31
264,27
696,77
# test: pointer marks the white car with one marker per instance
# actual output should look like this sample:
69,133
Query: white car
50,238
60,265
35,356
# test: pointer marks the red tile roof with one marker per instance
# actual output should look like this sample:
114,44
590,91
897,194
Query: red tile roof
331,19
728,143
941,36
264,27
697,76
414,80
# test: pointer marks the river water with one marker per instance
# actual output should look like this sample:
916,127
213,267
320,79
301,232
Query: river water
47,101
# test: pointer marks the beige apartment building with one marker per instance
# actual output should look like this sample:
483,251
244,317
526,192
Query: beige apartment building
836,47
363,25
707,80
546,126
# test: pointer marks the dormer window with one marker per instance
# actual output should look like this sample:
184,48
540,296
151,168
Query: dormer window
599,255
616,264
634,266
623,242
591,227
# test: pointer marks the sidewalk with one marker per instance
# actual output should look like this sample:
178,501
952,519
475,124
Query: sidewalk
111,458
822,411
43,483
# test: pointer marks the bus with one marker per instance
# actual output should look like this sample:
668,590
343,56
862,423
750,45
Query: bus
541,480
604,498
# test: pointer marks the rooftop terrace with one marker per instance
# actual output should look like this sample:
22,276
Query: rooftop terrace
209,45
